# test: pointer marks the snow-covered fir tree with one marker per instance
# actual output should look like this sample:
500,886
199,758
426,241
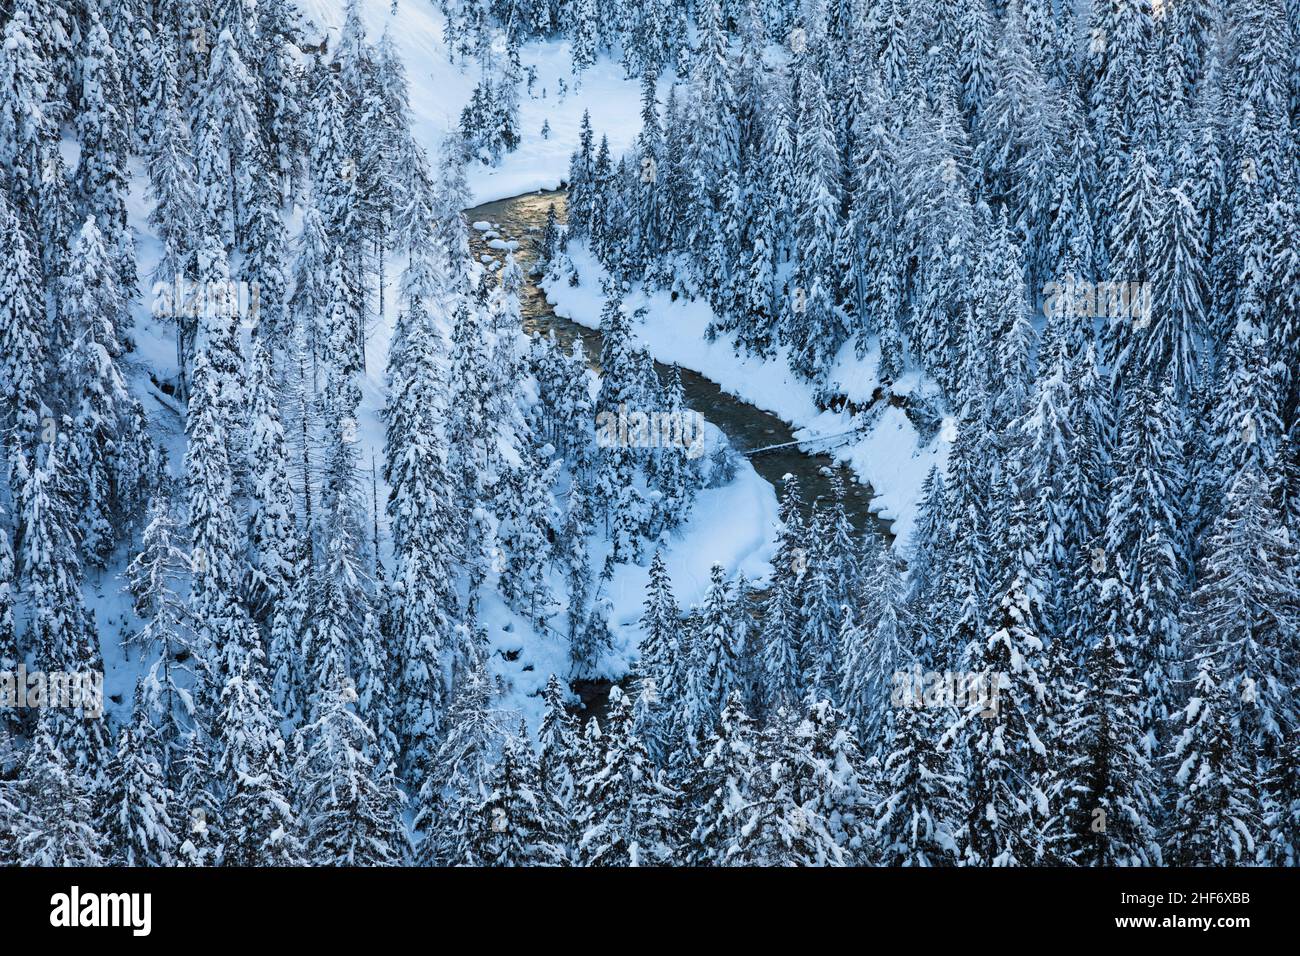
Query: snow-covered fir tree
297,445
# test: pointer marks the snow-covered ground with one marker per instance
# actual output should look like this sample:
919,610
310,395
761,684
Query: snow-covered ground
890,456
732,526
440,90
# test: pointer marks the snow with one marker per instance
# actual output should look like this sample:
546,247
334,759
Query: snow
440,90
890,456
733,526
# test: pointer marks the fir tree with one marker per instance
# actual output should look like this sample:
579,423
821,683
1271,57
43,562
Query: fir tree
454,780
1243,615
216,554
716,650
557,769
95,310
1007,806
273,532
1215,814
22,345
782,678
1109,800
1142,541
625,805
138,818
720,835
257,819
351,804
873,646
917,820
55,825
514,819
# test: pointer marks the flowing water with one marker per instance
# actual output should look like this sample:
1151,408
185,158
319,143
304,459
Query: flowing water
523,220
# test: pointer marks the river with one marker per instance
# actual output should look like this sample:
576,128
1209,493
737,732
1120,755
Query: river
523,220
